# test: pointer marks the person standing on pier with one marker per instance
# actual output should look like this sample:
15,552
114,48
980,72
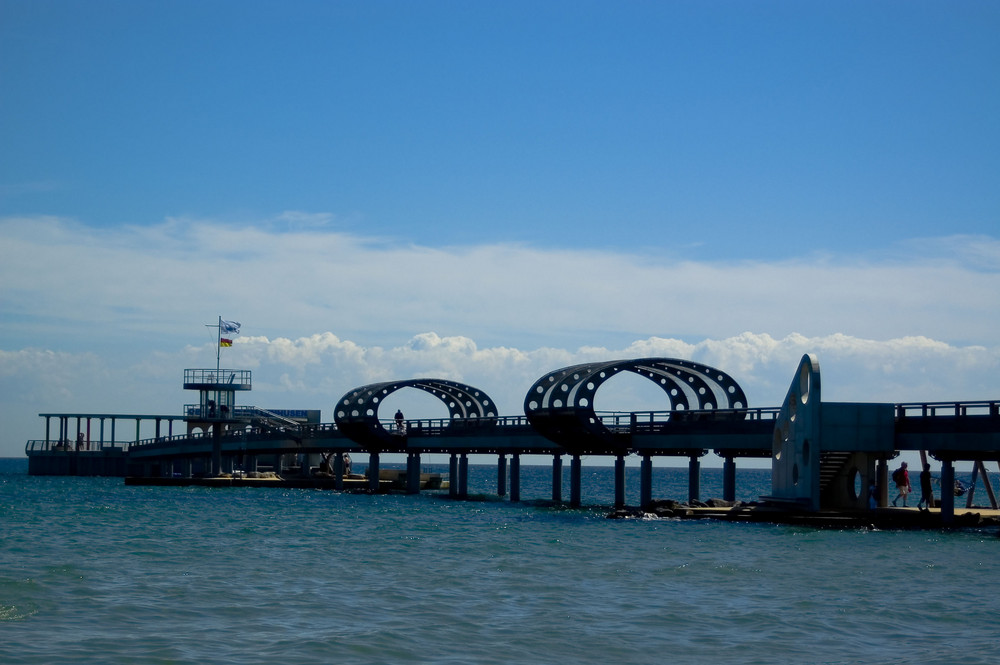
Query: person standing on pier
926,489
399,422
902,479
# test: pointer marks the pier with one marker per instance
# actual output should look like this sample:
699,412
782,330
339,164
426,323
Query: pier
824,455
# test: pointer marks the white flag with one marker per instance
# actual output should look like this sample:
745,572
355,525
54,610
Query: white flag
230,326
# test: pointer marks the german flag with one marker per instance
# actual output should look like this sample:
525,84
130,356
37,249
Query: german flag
225,342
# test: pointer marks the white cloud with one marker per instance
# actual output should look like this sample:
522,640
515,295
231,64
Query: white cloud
157,279
106,320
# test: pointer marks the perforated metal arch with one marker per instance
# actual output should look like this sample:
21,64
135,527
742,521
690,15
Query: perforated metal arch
560,405
357,415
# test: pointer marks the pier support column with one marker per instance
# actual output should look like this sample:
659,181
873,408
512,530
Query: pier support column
453,475
502,475
557,477
373,471
947,492
646,482
216,448
463,476
186,467
413,473
575,472
620,481
694,479
338,471
515,477
729,479
882,482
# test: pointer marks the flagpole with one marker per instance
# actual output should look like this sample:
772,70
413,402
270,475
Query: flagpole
218,348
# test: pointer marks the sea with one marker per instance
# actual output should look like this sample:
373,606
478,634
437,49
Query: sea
93,571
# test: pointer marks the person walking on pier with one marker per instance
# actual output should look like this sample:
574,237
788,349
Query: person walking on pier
902,479
926,489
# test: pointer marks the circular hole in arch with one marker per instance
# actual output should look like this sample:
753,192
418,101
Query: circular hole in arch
564,388
539,390
590,385
805,381
354,413
370,412
340,414
732,389
557,403
701,391
576,377
709,405
854,483
583,401
552,379
532,405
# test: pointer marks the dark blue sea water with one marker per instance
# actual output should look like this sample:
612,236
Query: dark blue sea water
92,571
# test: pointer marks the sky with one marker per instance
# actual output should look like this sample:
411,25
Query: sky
486,192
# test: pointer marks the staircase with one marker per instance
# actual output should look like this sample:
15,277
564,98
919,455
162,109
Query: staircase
830,464
272,421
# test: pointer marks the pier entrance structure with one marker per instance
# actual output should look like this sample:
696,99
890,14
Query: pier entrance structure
826,455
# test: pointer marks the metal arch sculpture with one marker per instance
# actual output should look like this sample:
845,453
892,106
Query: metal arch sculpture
357,418
560,405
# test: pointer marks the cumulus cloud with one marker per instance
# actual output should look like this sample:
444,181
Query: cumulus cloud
314,371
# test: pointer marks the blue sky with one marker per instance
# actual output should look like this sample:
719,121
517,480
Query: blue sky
479,190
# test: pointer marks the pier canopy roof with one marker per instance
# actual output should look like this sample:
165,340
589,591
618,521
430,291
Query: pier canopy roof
560,405
357,417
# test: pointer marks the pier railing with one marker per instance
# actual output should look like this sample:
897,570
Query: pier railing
54,445
650,422
949,409
217,379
